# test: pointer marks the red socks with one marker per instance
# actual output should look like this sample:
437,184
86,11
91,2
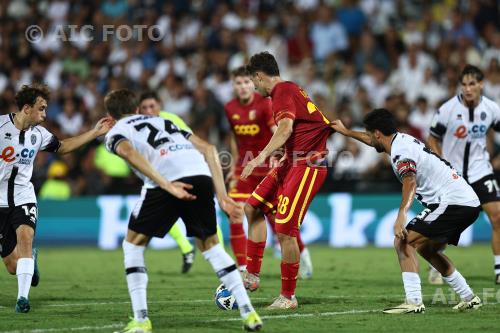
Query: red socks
255,252
289,274
238,243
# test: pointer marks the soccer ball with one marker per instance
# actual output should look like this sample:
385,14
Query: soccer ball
224,299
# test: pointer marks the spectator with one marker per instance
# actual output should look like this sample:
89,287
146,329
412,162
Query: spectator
327,34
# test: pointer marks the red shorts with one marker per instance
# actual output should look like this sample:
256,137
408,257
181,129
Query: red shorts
244,187
289,190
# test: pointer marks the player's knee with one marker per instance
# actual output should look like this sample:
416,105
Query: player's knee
495,220
24,235
207,243
284,238
251,212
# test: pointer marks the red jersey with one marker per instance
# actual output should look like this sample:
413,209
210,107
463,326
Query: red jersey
311,128
251,125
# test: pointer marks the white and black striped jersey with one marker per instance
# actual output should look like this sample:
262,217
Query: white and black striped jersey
18,150
437,181
463,134
162,143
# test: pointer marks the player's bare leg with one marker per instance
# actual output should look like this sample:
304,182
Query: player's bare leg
408,262
492,209
238,238
137,281
432,252
306,267
21,259
290,260
226,270
256,243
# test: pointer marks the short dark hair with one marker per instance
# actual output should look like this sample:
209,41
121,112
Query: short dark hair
28,94
120,102
263,62
472,70
382,120
149,94
240,71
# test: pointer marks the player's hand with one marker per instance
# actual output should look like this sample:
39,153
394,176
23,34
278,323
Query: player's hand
179,190
230,207
277,159
339,126
399,227
247,171
104,125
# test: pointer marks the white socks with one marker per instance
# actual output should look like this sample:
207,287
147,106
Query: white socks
497,264
459,285
24,271
226,270
413,289
137,279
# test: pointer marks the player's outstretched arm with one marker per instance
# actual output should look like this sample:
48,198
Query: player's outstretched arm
283,132
211,156
102,127
178,189
434,144
338,126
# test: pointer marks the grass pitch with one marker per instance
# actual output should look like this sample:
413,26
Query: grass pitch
84,290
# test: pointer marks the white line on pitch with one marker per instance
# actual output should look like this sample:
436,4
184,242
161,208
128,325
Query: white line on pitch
300,315
66,329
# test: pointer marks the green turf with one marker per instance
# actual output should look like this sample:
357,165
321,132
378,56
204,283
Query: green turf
84,289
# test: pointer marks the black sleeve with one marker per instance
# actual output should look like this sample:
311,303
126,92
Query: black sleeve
114,141
496,126
53,145
438,130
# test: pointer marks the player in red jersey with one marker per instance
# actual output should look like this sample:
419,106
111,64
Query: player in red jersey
251,119
290,187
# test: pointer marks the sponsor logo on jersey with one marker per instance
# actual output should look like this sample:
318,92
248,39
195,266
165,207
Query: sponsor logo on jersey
476,131
26,156
8,154
235,116
8,136
252,129
178,147
252,114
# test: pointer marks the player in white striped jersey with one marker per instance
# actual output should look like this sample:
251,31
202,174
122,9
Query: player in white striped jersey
459,133
451,206
21,139
180,172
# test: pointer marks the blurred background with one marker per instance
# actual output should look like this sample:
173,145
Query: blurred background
350,56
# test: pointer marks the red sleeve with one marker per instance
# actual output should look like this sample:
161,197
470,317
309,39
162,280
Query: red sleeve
283,106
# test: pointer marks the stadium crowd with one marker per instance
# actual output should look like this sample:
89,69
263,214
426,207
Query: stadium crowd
350,56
